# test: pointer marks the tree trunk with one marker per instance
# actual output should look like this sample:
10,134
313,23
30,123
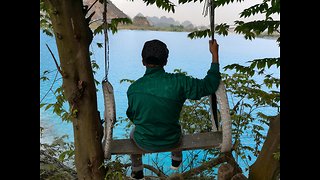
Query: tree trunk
266,166
73,39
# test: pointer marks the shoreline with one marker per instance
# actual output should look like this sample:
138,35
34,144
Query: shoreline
274,36
262,36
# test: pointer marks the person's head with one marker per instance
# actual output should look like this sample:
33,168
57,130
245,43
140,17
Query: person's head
154,52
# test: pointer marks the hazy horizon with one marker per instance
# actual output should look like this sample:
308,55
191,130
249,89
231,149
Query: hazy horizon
192,12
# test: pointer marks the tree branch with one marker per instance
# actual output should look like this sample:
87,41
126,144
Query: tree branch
192,161
225,157
55,61
54,80
151,168
91,6
204,166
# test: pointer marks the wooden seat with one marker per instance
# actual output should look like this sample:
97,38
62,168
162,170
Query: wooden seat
192,141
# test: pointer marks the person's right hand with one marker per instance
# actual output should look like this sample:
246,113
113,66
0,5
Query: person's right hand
214,49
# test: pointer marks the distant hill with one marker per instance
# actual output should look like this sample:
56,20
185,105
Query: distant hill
140,20
186,23
169,22
163,21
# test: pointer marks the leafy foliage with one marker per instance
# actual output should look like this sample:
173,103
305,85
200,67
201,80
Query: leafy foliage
248,122
113,25
59,106
163,4
217,3
187,1
225,2
95,67
250,29
258,66
254,28
221,29
116,170
200,34
44,76
262,8
126,80
45,23
59,148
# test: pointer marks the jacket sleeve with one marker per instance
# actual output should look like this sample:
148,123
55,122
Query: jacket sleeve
194,88
129,112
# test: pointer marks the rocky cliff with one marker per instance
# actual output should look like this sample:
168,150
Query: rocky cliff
112,11
140,20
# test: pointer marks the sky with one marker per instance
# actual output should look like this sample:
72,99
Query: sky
190,11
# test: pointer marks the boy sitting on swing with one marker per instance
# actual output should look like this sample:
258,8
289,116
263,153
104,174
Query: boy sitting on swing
156,99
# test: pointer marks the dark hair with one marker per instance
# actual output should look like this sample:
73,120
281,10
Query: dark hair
155,52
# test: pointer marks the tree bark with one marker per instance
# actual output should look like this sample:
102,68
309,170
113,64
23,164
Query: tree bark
73,39
266,166
239,176
225,172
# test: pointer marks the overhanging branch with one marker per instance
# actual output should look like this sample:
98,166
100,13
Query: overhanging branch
55,61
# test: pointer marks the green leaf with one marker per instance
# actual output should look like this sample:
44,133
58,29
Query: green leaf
222,29
100,45
261,64
253,64
127,80
115,21
62,156
98,30
199,34
48,106
44,78
276,155
42,104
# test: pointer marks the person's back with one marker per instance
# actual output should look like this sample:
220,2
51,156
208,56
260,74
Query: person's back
156,99
155,107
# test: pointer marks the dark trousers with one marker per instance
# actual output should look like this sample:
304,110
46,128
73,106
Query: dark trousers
136,159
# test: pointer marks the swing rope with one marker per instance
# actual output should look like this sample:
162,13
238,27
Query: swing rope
209,5
213,96
212,7
108,93
220,97
106,40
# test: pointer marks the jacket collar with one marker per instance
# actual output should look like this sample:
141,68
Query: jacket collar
155,70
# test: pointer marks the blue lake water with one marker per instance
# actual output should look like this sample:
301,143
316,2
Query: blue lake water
192,56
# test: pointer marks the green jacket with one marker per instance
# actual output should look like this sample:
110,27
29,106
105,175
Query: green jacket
155,102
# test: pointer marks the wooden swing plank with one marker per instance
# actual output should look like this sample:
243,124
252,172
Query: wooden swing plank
192,141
